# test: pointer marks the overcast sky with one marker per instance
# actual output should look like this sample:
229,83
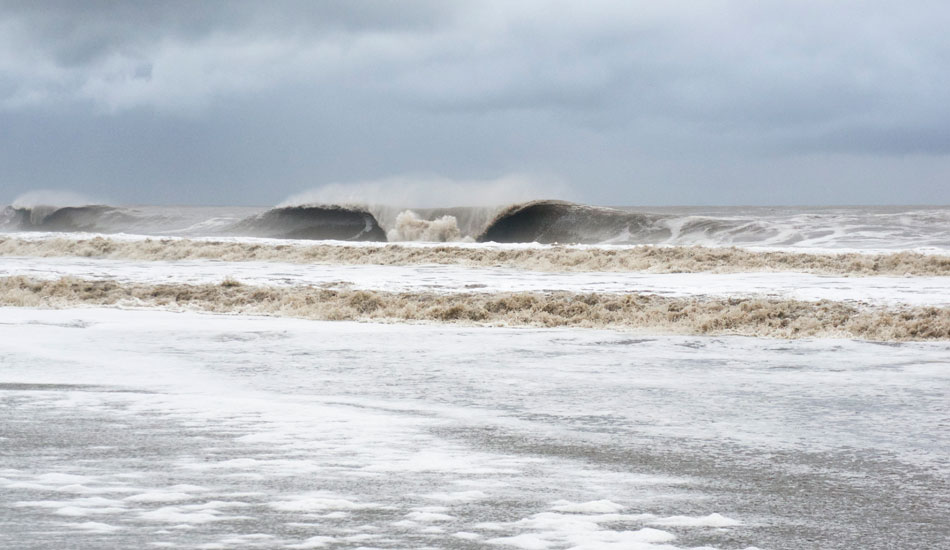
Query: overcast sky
624,103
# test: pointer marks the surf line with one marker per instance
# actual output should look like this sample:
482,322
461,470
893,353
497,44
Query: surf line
763,317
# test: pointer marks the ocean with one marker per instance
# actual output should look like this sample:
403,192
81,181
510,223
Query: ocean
923,228
535,376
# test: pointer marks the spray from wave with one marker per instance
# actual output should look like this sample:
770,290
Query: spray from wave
410,227
51,198
426,191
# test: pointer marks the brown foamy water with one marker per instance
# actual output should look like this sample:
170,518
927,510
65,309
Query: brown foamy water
655,259
739,316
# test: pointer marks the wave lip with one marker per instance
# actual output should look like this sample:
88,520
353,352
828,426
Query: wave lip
312,222
549,221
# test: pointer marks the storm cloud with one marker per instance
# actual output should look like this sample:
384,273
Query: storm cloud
607,102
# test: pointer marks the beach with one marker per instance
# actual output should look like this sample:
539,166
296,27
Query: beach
215,391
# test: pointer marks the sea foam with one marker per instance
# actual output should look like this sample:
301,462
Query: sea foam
778,318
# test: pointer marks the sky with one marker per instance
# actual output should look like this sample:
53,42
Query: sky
720,102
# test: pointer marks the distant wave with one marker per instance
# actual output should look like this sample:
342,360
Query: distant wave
96,218
92,218
778,318
299,222
655,259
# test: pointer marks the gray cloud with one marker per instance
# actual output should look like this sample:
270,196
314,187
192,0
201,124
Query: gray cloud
145,100
77,33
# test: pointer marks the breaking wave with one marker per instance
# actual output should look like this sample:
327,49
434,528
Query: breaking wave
741,316
107,219
654,259
563,222
91,218
312,222
546,222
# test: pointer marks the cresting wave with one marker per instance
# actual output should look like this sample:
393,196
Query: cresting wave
312,222
737,316
654,259
537,221
549,222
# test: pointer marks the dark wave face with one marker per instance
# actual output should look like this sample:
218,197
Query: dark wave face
548,222
92,218
312,222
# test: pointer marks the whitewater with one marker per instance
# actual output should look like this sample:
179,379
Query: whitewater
540,375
